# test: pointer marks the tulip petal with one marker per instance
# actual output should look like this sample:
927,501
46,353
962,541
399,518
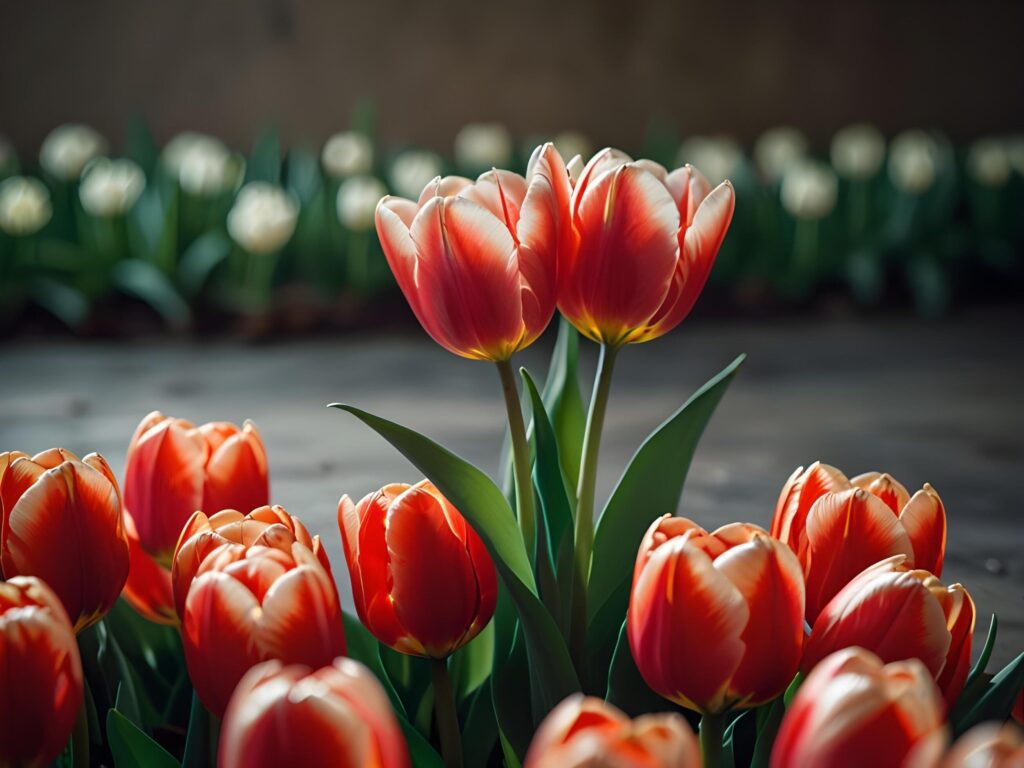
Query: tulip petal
960,618
148,588
885,487
798,495
299,622
236,474
924,519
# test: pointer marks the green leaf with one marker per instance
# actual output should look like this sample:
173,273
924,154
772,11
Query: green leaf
197,741
200,259
67,304
769,718
653,482
563,401
510,691
471,665
265,161
998,699
975,681
132,748
480,732
304,180
738,740
364,648
626,687
139,144
421,754
149,284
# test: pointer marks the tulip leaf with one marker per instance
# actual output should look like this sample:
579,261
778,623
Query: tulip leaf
998,699
769,718
364,648
200,259
67,304
421,753
651,486
480,732
265,161
563,401
471,665
737,740
510,690
626,687
149,284
132,748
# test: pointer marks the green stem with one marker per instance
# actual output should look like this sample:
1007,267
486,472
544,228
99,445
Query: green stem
446,714
80,734
520,454
584,533
359,261
711,726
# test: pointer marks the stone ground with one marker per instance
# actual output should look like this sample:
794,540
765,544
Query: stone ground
935,402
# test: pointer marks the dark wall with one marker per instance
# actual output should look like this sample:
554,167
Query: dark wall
606,67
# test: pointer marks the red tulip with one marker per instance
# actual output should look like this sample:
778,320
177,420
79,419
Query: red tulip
854,711
642,245
265,526
476,260
899,613
1018,709
715,619
422,580
247,604
585,731
174,469
62,522
988,745
40,674
337,715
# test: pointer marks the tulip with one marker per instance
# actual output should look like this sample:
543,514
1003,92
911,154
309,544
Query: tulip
585,731
202,164
413,169
348,153
715,619
247,604
1018,709
111,187
779,149
202,535
853,710
858,151
40,674
357,201
62,522
148,589
899,613
913,162
68,149
839,527
718,157
988,745
809,190
263,218
988,162
25,206
294,715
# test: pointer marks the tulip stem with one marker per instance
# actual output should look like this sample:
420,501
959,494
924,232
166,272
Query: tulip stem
80,734
446,714
520,454
711,725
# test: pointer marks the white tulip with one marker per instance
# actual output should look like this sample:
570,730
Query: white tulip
717,157
413,170
263,218
809,189
777,149
69,148
357,201
348,153
913,161
858,151
988,162
24,205
203,165
483,145
572,143
111,187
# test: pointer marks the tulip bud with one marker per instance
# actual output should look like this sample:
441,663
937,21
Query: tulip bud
715,619
641,247
405,547
479,146
24,206
913,162
585,731
858,151
348,153
853,711
413,170
718,157
263,218
989,745
988,163
779,149
40,673
476,261
62,522
248,604
295,715
899,613
809,190
357,201
68,149
203,165
111,187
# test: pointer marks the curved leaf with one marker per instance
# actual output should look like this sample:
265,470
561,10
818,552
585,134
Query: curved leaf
146,282
134,749
998,699
563,400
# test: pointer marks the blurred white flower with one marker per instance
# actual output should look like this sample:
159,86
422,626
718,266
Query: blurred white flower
263,218
858,151
809,189
69,148
1015,151
483,146
111,187
357,201
348,153
202,164
988,162
24,205
412,170
572,143
717,157
777,149
913,161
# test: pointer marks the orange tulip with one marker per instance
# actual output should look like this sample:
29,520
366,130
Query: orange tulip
422,580
854,711
476,260
247,604
40,674
988,745
898,613
715,619
202,535
337,715
642,244
839,527
62,522
585,731
174,469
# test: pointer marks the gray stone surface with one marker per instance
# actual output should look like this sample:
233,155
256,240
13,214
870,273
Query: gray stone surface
926,402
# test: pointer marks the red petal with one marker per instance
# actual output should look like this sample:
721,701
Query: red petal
924,519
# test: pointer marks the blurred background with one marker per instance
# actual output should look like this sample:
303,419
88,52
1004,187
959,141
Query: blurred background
187,194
